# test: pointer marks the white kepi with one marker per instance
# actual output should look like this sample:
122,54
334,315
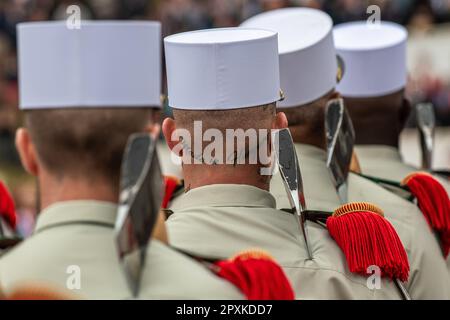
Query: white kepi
219,69
374,56
102,64
308,62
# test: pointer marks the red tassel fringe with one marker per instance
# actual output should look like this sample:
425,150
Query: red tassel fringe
170,185
257,276
434,202
368,239
38,293
7,207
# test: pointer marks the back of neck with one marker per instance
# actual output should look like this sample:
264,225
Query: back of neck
196,176
53,190
376,132
304,135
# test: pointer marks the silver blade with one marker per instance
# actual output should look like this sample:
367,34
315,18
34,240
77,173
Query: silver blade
290,172
8,237
139,205
402,290
342,191
426,122
340,138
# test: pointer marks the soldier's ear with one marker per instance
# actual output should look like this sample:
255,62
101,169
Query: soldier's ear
335,95
154,129
169,130
280,121
27,151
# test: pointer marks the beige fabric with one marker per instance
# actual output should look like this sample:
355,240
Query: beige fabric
428,277
218,221
171,275
81,233
386,162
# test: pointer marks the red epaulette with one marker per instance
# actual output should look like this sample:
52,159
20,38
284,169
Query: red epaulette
434,203
257,275
38,291
171,186
368,239
7,207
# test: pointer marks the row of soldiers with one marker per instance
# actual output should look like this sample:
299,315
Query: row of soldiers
231,232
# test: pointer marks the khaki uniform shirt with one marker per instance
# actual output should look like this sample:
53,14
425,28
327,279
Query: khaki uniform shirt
386,163
81,234
428,276
218,221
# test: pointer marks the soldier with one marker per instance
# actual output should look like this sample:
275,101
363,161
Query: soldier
225,82
379,110
309,74
83,93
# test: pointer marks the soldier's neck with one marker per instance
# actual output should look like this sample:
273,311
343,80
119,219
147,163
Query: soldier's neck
377,129
53,190
196,176
365,135
376,134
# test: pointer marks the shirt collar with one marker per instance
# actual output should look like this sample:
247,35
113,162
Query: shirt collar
378,152
306,151
77,212
319,189
226,195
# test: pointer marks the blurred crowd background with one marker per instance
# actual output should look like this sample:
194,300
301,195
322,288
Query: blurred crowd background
427,20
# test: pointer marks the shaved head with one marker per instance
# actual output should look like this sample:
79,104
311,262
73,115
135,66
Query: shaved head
84,143
364,107
307,122
260,117
379,120
257,117
235,145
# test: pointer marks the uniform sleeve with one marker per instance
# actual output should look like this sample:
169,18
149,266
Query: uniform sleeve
429,278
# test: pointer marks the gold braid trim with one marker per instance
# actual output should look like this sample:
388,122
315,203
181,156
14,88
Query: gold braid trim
412,175
174,178
358,207
252,254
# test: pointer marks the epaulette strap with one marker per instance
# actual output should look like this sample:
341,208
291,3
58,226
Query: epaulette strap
7,207
443,173
391,186
39,291
167,213
319,217
368,239
257,275
434,203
